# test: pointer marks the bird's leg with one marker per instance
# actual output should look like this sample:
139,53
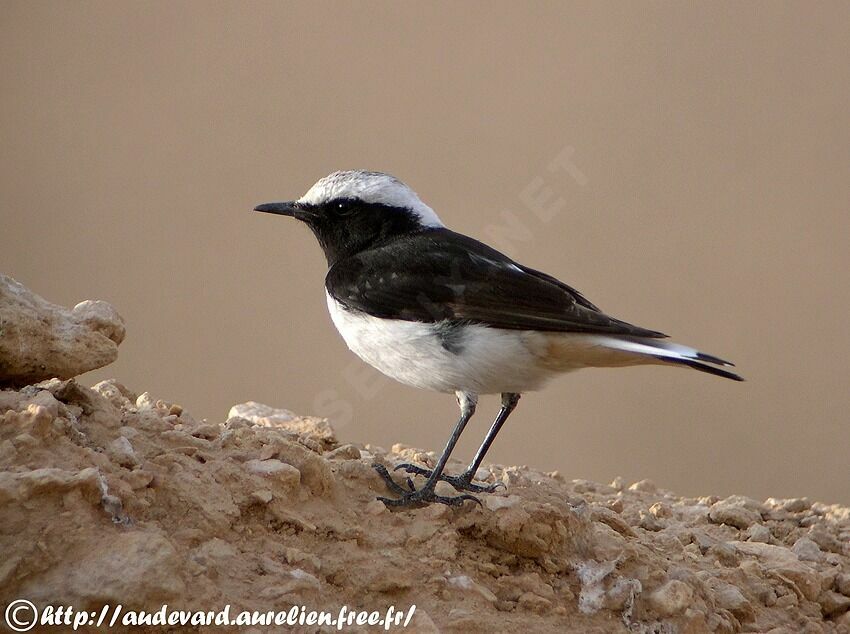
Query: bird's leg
420,497
464,481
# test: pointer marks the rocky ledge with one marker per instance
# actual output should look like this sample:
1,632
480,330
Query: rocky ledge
112,497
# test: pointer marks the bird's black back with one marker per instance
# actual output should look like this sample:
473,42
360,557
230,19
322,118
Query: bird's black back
436,275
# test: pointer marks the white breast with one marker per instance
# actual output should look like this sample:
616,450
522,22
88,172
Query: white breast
487,360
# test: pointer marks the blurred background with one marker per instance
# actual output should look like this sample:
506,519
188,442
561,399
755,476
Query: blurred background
693,161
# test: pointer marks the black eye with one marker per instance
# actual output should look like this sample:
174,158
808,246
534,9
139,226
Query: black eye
344,206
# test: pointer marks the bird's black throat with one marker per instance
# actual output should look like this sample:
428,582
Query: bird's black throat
346,226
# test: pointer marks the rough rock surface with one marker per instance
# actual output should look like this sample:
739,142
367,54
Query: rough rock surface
40,340
110,497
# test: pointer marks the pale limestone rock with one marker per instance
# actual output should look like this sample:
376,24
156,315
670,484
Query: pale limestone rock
318,429
262,496
758,533
807,550
622,594
496,502
734,513
671,598
784,566
731,598
465,582
40,340
288,475
121,451
644,486
135,565
257,412
592,575
344,452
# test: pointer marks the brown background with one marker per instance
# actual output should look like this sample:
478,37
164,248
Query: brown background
709,200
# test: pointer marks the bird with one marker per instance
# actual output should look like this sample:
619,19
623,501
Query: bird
438,310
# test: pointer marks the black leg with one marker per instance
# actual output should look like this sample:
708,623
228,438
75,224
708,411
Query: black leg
464,482
425,495
509,403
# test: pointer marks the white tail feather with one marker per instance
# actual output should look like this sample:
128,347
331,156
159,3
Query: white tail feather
648,350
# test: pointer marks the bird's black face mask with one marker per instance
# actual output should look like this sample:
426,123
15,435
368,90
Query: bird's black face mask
345,226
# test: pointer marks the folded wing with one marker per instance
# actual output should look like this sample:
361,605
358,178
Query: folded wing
439,275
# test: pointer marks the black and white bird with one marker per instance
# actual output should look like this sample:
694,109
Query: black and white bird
438,310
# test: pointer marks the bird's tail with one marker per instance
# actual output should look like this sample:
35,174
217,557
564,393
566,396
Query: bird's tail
648,350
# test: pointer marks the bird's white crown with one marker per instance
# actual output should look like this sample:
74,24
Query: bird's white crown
370,187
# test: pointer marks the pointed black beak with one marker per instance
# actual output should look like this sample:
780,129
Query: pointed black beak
282,209
292,208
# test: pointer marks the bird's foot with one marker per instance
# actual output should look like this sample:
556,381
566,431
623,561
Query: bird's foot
416,498
462,482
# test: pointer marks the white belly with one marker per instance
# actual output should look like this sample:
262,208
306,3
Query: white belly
485,361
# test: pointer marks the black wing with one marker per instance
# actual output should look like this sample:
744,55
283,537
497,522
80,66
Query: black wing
438,275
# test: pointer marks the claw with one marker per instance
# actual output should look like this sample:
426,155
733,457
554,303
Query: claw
391,484
412,468
416,498
460,483
423,497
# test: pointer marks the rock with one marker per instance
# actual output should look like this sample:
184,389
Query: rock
121,451
139,479
790,505
267,517
829,542
376,507
496,502
133,567
315,471
295,557
422,623
18,487
39,340
592,577
284,473
833,603
318,429
784,566
731,598
465,582
260,414
45,399
671,598
533,602
843,621
444,489
733,513
807,550
644,486
304,578
262,496
345,452
612,519
797,505
206,431
842,584
145,402
215,554
387,581
649,522
758,533
622,594
726,554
